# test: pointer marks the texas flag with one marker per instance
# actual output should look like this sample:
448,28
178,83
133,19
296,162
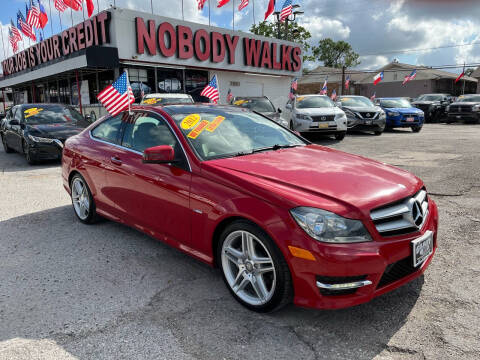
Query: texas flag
377,78
460,76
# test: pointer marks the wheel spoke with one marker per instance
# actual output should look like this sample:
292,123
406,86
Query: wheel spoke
247,245
233,255
262,261
265,270
259,286
78,187
240,283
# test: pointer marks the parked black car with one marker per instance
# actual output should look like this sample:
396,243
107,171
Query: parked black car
433,105
362,114
260,104
40,130
466,109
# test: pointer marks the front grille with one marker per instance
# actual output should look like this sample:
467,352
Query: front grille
397,271
423,107
402,217
323,118
332,280
460,108
369,115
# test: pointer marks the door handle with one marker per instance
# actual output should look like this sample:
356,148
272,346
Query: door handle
115,160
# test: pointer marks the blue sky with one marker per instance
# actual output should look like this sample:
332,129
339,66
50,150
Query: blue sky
379,30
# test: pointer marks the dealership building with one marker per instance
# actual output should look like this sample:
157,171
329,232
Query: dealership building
161,55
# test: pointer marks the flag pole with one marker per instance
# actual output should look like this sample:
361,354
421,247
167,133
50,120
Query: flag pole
209,10
98,7
183,14
51,18
253,10
128,93
233,15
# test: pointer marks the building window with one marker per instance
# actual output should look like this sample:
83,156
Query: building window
170,80
142,80
195,82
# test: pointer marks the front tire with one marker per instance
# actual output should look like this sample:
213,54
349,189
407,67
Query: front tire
28,155
82,200
416,129
5,146
340,136
253,268
377,133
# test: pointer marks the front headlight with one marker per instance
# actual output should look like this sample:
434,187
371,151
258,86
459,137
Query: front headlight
40,139
340,116
393,113
476,108
328,227
303,117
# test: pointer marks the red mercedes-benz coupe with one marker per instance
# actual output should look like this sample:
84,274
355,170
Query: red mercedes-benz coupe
285,220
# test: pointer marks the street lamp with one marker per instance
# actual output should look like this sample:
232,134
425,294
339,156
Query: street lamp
291,17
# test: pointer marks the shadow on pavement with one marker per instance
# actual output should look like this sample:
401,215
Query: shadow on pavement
94,289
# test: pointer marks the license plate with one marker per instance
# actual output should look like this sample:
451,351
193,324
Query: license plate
322,125
422,248
410,119
368,122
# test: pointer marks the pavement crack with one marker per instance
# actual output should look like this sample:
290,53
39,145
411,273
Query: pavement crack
304,341
400,350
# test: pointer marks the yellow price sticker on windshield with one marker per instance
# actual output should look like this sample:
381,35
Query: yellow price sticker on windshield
240,102
32,112
300,98
215,123
198,130
151,101
190,121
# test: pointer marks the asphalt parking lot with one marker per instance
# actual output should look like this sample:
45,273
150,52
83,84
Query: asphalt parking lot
71,291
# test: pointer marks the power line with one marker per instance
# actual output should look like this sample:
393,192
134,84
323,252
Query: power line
419,50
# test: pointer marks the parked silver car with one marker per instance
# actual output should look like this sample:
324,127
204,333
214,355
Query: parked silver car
362,114
316,114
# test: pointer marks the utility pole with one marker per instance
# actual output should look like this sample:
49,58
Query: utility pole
343,80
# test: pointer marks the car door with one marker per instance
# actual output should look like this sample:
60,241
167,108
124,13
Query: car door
152,197
14,133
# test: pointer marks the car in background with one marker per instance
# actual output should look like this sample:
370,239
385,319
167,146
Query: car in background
466,108
433,105
167,98
39,130
285,220
316,114
400,113
260,104
362,114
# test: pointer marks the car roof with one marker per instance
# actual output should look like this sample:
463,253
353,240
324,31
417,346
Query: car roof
251,97
310,95
167,95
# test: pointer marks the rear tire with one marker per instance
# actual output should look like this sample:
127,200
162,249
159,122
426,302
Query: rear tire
82,200
340,136
5,146
253,268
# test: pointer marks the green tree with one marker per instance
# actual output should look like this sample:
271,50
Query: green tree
295,33
336,54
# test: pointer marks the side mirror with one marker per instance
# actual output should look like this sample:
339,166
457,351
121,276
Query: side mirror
14,122
289,107
279,110
162,154
88,118
338,103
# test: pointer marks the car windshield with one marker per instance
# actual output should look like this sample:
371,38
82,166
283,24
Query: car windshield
261,105
50,114
221,133
395,103
469,99
356,102
166,100
312,102
430,98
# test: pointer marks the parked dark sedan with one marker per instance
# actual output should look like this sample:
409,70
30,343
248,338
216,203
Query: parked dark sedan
433,105
40,130
362,114
260,104
466,109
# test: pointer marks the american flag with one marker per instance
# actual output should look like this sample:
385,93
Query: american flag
221,3
294,85
74,4
15,32
229,96
334,95
201,4
410,77
243,5
33,14
286,10
347,82
373,96
211,90
117,97
60,5
324,89
13,40
25,28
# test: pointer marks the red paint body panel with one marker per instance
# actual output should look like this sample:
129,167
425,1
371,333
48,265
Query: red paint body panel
184,208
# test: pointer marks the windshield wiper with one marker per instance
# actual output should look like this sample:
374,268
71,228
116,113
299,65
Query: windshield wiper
275,147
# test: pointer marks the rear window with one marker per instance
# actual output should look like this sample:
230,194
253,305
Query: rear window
167,100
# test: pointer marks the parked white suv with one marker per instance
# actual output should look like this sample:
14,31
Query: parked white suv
317,114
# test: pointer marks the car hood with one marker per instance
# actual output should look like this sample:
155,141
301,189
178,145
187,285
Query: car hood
318,111
272,115
426,102
411,110
362,109
55,131
318,176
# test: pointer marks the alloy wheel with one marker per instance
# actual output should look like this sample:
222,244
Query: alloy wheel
80,198
248,267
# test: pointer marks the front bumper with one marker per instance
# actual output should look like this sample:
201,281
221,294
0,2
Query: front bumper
471,116
379,266
45,151
366,124
401,121
327,127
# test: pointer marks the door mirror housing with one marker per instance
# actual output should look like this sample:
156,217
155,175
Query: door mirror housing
88,118
14,122
289,107
338,103
162,154
279,110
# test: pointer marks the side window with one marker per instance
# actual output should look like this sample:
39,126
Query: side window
149,131
18,114
109,130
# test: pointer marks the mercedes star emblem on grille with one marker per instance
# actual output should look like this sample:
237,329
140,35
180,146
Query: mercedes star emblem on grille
417,213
